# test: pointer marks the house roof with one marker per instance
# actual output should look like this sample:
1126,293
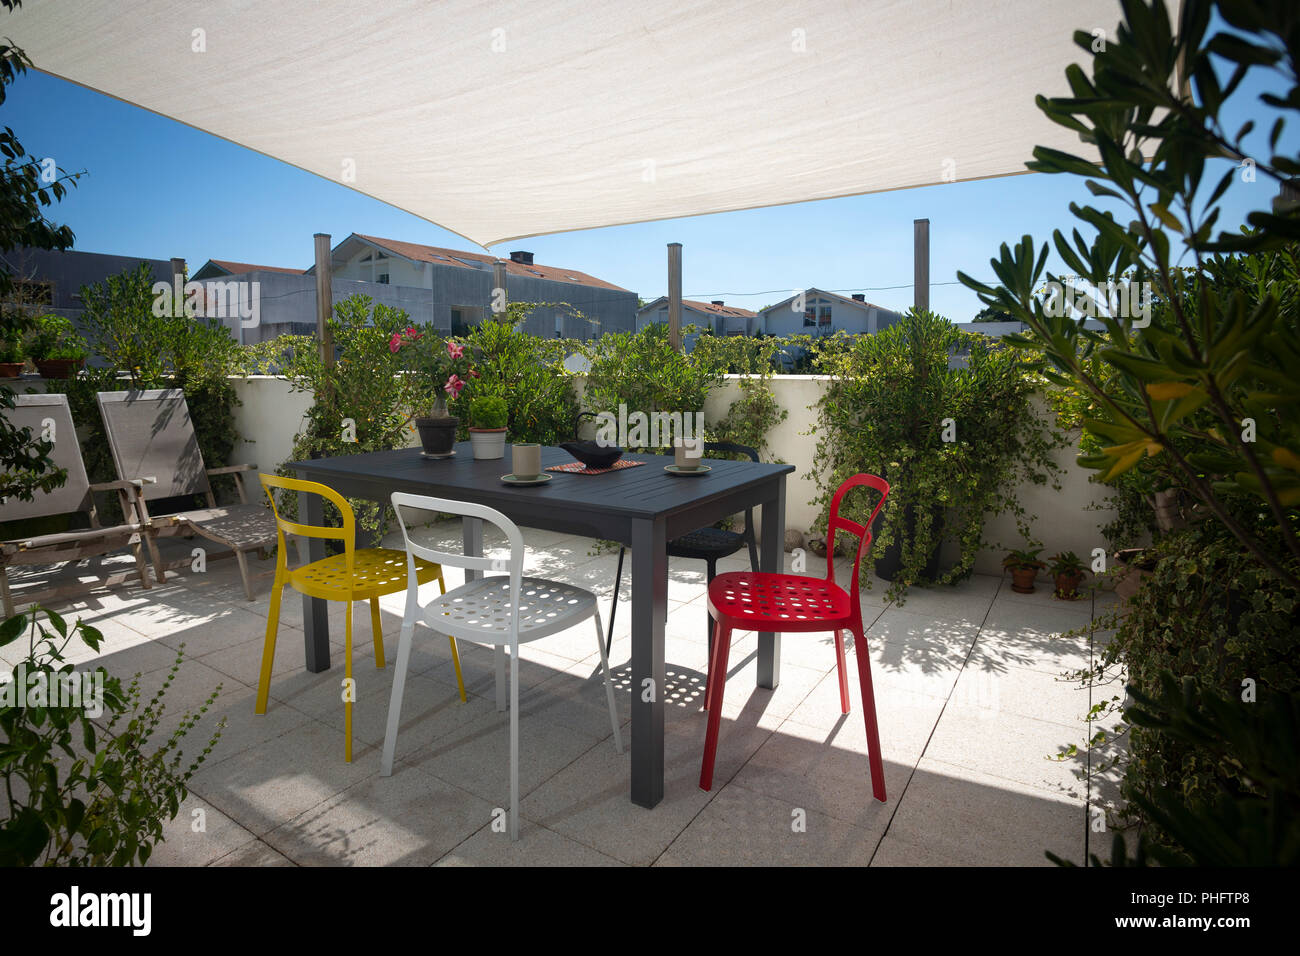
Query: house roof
229,267
458,258
708,307
830,295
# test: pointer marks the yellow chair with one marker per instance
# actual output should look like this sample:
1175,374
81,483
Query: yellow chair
354,575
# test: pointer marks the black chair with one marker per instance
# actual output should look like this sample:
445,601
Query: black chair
704,544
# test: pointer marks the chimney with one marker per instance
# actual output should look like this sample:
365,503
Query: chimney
718,302
523,258
859,297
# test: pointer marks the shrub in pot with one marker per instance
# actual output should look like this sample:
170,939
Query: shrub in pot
1068,571
488,433
439,365
11,357
56,348
1024,567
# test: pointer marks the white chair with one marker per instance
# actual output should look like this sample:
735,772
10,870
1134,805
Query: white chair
501,611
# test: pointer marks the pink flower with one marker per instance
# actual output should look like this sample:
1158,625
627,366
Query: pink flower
473,373
455,350
413,335
395,342
454,386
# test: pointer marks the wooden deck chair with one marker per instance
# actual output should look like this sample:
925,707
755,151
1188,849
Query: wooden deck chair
49,416
152,438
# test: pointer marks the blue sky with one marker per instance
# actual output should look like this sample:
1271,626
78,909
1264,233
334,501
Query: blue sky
155,188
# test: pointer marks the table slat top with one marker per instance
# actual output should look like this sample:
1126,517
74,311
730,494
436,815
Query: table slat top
643,492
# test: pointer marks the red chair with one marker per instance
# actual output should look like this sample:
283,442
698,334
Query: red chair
746,601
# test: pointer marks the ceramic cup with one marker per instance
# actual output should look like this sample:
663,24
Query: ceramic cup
526,461
687,455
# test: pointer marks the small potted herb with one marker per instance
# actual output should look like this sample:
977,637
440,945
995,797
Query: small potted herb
1024,567
11,357
1068,571
55,347
487,433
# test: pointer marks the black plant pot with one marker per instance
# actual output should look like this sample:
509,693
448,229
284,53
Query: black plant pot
891,558
438,435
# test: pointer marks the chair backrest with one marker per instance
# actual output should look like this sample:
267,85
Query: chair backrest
410,507
731,448
151,436
863,533
346,532
50,415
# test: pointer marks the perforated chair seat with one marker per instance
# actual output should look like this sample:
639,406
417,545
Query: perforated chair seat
795,602
706,543
375,572
479,610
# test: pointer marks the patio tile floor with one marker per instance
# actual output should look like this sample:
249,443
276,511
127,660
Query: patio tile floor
967,691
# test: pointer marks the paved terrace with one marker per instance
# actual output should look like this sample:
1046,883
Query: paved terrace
967,687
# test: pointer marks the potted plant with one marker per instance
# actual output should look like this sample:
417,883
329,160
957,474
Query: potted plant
1068,571
11,357
443,369
487,434
55,347
1024,567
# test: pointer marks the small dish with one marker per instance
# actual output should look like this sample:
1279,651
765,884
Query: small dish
525,482
687,472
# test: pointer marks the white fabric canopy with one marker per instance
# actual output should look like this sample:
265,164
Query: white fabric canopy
504,120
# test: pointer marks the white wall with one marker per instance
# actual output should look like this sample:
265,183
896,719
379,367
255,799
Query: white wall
268,420
271,415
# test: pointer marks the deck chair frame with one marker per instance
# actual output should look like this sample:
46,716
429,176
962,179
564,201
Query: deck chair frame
165,457
77,495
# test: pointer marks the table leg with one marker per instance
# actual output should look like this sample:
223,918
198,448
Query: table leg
773,560
315,616
649,613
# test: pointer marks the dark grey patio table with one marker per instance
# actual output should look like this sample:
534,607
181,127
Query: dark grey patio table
642,507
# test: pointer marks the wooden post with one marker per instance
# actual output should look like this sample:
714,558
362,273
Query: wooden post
675,295
324,298
921,264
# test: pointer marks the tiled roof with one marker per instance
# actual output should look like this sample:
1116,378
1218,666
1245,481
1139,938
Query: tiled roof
453,257
704,307
239,268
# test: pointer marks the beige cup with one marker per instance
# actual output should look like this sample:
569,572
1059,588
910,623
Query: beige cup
687,455
526,460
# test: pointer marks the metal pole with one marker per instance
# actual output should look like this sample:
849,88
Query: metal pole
675,295
921,264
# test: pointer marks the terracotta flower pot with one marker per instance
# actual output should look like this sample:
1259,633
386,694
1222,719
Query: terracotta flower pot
1067,585
11,369
58,368
1134,569
438,435
488,443
1022,580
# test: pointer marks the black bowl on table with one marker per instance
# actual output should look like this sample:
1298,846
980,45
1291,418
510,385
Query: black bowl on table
593,454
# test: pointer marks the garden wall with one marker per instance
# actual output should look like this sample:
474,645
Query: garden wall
1066,520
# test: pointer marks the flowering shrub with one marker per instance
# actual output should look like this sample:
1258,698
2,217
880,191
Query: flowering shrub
440,366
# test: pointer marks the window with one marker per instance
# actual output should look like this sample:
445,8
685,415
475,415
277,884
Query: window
382,278
32,292
810,316
825,318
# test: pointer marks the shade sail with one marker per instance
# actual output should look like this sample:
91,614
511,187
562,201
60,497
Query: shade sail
504,120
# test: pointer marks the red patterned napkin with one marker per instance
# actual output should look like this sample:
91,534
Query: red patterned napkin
578,468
